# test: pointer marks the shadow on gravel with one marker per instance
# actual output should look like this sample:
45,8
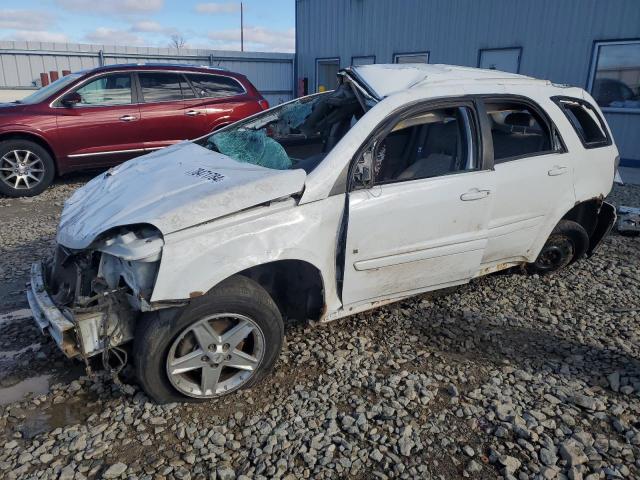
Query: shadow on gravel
529,349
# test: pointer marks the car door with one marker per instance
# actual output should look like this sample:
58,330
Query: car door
104,126
533,178
421,221
167,112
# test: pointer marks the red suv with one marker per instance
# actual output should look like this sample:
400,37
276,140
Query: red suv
101,117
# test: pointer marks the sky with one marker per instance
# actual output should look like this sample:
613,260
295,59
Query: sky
268,24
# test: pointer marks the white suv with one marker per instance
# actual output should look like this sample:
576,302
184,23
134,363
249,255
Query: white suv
405,179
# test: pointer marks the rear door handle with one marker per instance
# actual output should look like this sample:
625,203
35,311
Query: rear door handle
474,194
192,113
127,118
558,170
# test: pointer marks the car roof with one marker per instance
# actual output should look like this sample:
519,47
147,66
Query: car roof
383,80
163,66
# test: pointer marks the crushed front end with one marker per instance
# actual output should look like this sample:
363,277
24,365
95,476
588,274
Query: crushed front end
89,300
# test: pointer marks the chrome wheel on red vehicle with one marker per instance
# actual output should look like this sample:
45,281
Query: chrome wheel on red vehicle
26,168
21,169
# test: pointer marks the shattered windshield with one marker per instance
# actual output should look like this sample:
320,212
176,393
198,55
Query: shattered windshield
297,134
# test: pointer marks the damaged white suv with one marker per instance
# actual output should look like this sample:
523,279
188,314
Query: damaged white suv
406,178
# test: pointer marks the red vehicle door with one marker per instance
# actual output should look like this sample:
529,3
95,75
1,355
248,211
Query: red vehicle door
169,111
103,128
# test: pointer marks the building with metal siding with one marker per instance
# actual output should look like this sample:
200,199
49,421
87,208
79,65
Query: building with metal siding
21,64
565,41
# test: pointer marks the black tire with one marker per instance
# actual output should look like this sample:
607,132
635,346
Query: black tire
45,163
156,332
567,243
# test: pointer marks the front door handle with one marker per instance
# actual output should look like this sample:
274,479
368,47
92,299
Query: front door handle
192,113
127,118
558,170
474,194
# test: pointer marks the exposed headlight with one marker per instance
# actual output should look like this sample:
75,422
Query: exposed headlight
132,256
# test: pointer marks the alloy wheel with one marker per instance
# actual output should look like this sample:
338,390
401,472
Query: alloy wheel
215,355
21,169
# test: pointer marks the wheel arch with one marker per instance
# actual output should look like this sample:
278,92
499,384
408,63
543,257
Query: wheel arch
296,286
32,137
591,215
586,214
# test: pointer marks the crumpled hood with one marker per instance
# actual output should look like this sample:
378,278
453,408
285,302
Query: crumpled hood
171,189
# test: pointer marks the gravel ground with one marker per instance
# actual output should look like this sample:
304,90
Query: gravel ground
512,375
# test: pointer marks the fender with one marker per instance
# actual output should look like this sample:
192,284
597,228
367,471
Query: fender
20,129
196,259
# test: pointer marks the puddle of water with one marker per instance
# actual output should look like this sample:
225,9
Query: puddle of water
12,354
17,315
35,385
71,412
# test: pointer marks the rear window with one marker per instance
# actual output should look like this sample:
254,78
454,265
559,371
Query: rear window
518,131
585,120
215,86
163,87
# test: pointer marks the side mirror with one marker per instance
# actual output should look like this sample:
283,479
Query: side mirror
71,99
362,174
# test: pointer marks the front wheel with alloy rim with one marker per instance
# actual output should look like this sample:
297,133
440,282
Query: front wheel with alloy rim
26,168
221,342
568,242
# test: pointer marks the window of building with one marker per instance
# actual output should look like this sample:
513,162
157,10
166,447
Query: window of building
418,57
585,120
503,59
327,73
215,86
364,60
430,144
108,90
163,87
615,75
518,131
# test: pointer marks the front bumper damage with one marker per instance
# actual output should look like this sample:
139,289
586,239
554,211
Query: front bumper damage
80,331
88,300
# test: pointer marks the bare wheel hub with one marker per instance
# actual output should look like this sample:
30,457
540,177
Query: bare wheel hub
215,355
554,253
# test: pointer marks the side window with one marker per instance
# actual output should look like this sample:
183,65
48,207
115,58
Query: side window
430,144
585,120
215,86
108,90
163,87
518,131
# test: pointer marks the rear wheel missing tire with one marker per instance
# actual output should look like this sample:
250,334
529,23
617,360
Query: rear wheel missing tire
224,341
567,243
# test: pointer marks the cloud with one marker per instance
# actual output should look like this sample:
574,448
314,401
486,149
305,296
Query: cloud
38,36
115,7
112,36
149,26
25,20
255,38
215,8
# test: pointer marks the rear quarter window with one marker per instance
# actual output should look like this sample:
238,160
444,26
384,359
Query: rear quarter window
215,86
586,121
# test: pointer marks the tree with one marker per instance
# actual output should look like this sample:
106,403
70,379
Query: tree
177,41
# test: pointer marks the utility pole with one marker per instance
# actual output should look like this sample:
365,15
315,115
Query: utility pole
241,29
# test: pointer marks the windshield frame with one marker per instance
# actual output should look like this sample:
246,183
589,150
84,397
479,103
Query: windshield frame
50,90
